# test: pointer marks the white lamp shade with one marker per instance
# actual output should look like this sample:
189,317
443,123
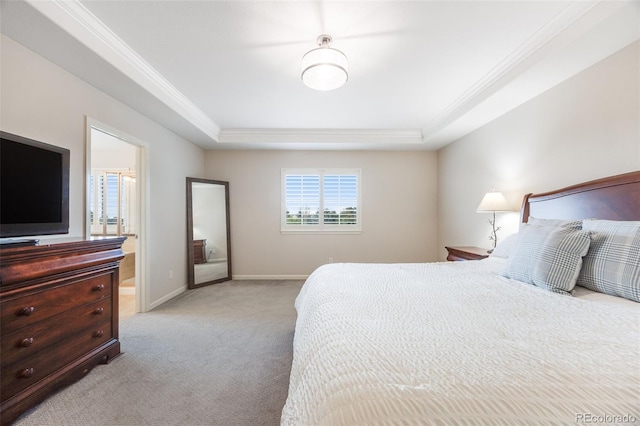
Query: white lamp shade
493,202
324,68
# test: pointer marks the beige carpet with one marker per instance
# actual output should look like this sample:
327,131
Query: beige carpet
218,355
127,306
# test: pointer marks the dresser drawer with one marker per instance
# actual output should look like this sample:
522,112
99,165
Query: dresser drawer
29,340
30,369
21,311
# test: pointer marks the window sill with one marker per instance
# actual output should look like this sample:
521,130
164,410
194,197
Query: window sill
321,232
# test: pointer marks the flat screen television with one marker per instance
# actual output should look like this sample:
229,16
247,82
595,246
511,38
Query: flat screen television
34,187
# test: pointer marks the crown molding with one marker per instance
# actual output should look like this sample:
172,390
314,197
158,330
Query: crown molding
529,52
322,136
79,22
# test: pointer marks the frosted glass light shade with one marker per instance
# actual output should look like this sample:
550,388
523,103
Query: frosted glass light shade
493,202
324,68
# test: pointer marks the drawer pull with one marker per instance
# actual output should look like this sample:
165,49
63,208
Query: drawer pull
26,373
98,311
98,333
25,312
25,343
99,287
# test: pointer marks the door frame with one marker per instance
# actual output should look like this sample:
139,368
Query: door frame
142,213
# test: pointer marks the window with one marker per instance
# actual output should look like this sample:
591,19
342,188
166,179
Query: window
321,200
111,202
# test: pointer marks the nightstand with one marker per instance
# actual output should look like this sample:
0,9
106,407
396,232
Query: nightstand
466,253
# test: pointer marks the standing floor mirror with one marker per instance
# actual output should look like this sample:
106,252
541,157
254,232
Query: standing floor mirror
208,232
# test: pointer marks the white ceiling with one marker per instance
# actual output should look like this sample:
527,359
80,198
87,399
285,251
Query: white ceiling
101,142
226,74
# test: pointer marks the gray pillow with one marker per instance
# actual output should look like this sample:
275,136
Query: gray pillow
548,257
612,264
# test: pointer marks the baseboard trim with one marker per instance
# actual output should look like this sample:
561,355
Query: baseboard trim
270,277
166,298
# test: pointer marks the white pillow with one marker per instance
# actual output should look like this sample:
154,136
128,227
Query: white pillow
573,224
505,246
612,264
548,257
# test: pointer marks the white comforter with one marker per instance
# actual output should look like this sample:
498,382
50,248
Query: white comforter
455,343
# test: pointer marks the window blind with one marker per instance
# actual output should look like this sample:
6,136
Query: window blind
321,200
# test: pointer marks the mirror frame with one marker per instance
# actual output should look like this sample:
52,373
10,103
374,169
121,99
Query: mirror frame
191,284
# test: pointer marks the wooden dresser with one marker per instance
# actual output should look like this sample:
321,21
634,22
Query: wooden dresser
59,317
199,251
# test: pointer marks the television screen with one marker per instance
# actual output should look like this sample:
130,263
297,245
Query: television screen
34,187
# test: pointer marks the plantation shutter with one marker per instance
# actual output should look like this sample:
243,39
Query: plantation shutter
318,200
340,199
302,194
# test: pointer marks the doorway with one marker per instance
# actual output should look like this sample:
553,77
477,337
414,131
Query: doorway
115,200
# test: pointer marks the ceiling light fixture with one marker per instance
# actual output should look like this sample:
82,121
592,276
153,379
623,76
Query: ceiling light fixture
324,68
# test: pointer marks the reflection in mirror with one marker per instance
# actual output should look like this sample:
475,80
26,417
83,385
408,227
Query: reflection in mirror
208,233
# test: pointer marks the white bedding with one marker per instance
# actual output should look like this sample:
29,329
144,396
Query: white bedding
456,343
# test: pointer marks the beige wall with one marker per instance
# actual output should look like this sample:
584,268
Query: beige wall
44,102
583,129
398,208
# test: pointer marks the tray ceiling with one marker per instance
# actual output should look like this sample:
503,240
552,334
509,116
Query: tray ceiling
226,74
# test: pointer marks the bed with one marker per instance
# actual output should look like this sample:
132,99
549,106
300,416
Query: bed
465,343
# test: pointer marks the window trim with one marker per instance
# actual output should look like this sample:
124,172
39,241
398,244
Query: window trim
321,228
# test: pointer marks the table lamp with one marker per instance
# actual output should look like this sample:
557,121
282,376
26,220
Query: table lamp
493,202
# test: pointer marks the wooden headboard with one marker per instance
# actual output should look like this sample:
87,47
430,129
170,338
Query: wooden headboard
613,198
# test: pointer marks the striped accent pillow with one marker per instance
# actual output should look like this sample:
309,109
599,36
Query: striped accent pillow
548,257
612,264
